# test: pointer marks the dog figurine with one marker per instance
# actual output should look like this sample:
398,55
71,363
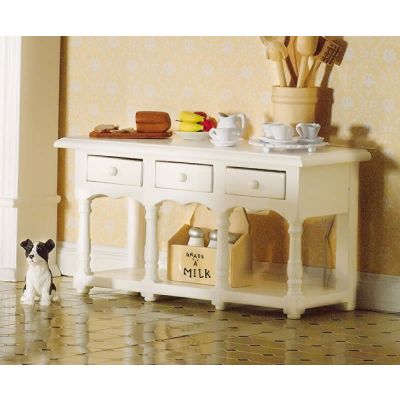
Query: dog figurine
39,279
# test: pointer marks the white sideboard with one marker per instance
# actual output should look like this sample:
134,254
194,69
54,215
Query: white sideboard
296,184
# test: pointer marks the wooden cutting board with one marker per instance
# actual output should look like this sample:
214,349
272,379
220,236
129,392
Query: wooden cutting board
131,135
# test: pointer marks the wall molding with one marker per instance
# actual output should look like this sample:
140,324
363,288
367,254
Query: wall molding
375,292
29,102
378,292
8,275
29,202
10,72
103,257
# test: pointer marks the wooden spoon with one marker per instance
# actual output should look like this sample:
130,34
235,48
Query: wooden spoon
282,40
277,52
306,46
290,43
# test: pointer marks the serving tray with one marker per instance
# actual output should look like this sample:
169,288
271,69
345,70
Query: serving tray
130,135
295,144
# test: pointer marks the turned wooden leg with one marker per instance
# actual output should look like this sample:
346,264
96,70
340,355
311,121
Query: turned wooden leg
294,298
347,246
151,251
135,233
84,247
222,259
346,261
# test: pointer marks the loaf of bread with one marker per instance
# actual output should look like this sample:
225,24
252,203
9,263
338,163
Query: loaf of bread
152,116
152,121
152,127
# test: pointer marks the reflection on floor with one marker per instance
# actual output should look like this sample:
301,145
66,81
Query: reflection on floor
110,327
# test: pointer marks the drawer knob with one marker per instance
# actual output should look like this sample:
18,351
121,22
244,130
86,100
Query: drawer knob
113,171
182,177
254,184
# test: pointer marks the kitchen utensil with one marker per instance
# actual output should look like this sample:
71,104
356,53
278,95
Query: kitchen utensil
291,105
277,52
327,52
272,144
281,131
267,129
212,244
232,238
196,237
129,134
285,41
230,143
290,43
306,46
237,120
224,134
308,130
195,136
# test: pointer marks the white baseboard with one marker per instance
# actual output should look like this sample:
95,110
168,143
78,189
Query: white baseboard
8,275
375,292
378,292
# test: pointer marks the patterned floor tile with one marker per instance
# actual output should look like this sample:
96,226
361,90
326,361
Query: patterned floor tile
112,327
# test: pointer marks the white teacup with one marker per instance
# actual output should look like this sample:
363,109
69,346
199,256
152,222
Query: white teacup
267,129
224,135
279,131
308,130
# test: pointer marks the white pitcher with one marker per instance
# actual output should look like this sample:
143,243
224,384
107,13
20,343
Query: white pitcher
237,121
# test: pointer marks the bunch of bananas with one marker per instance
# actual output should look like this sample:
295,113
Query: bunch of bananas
197,121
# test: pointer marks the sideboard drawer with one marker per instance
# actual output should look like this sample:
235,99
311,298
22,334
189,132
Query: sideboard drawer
255,183
182,176
122,171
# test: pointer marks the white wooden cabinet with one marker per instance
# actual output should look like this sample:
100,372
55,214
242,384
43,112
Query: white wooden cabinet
295,184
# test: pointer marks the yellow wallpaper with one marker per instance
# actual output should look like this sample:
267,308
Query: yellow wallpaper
108,79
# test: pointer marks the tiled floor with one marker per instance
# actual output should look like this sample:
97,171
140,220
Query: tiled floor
110,327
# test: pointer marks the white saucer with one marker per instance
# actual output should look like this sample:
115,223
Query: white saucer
316,140
278,141
225,144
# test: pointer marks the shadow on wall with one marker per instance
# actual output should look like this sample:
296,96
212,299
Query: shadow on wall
61,179
372,194
270,236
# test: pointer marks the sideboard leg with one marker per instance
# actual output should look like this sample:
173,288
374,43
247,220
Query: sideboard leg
83,273
151,251
347,245
346,262
294,307
149,296
135,233
222,259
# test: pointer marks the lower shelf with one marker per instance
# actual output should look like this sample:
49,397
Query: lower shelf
269,287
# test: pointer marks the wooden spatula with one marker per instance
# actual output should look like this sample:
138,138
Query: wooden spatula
290,43
327,52
291,61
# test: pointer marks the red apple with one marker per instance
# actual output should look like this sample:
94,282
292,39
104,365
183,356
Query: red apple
213,122
209,123
203,114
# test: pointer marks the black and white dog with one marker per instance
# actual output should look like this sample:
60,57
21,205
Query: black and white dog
38,280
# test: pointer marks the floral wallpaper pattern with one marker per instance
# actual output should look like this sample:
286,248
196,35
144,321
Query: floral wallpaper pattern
108,79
